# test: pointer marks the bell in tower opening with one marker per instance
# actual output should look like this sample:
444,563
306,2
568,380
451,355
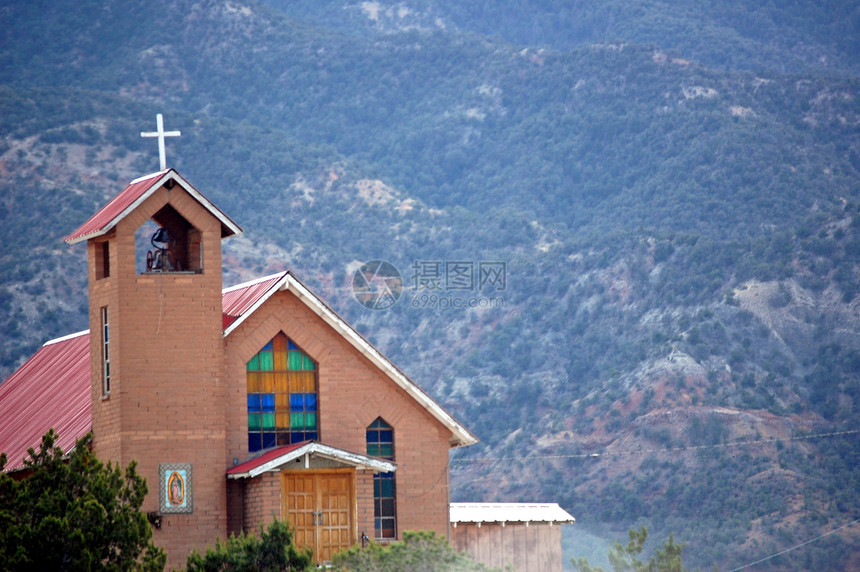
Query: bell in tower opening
163,258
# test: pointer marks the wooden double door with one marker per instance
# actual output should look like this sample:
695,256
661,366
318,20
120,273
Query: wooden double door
320,505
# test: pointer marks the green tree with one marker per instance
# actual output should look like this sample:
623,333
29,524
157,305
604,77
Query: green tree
420,551
272,551
624,558
73,512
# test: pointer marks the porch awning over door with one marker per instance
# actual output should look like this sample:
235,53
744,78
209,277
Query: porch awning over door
277,459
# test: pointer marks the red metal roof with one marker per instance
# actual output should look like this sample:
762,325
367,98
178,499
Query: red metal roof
238,299
51,389
264,458
101,221
136,191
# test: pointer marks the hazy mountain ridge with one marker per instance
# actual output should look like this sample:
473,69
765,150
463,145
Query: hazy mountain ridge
681,242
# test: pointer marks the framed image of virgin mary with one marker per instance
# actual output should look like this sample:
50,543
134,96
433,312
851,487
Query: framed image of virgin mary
175,488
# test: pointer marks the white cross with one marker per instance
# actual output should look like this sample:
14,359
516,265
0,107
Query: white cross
161,134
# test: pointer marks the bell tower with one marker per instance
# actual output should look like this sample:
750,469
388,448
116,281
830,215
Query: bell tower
156,351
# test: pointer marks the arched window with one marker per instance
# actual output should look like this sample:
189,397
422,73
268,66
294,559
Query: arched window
380,443
282,396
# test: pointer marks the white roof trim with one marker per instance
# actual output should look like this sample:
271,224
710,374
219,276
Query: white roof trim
462,436
67,337
478,512
159,179
322,451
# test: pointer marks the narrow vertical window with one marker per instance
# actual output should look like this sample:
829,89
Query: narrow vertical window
105,351
380,443
102,260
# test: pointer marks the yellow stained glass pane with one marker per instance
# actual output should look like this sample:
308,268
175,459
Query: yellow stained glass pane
280,359
282,402
296,382
253,382
308,382
267,382
281,382
283,421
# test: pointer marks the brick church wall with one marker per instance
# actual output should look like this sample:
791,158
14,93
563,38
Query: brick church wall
352,394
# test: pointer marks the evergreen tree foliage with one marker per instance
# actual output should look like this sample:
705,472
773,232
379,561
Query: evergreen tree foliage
273,550
625,558
73,512
420,551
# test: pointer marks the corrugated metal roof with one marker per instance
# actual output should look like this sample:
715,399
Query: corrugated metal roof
136,192
508,512
237,300
51,389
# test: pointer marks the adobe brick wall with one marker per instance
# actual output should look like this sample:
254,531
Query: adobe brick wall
167,394
352,394
262,503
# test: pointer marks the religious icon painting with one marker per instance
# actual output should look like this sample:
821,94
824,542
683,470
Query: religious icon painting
174,488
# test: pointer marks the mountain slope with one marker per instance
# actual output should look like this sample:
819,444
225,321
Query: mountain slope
679,238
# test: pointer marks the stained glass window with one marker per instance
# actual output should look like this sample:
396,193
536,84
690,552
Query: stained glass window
282,396
380,443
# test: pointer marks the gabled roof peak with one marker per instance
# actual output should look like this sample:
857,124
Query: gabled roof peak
133,195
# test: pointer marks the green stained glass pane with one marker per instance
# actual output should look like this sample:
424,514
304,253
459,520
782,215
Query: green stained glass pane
310,421
386,488
268,421
373,449
297,421
253,422
267,362
254,363
295,360
386,451
307,363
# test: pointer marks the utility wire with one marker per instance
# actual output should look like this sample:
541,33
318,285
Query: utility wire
455,462
802,544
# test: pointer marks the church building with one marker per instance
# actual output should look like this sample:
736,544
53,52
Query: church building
239,405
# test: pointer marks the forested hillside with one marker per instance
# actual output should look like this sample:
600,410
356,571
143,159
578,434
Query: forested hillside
669,191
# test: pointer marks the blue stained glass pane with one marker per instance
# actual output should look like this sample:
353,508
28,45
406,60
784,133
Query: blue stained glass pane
372,436
310,401
296,402
254,442
254,402
269,440
297,437
268,346
311,436
292,346
386,436
267,401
